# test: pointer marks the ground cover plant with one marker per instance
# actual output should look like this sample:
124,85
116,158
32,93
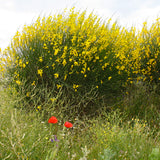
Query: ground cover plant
76,87
108,136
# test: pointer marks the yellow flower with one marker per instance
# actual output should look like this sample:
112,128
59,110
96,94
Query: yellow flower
64,62
40,72
76,63
56,52
58,86
75,90
28,94
56,75
52,99
70,59
39,107
40,59
53,65
18,82
20,63
109,78
24,65
97,57
33,84
65,77
75,86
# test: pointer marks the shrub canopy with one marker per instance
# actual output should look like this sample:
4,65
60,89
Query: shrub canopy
73,49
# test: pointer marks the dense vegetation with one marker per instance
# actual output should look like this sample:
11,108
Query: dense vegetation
101,77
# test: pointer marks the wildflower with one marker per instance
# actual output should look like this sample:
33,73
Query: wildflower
18,82
28,94
56,52
64,62
75,86
40,72
56,75
68,124
33,84
52,99
40,59
24,65
109,78
76,63
58,86
65,77
70,59
39,107
55,138
53,120
53,65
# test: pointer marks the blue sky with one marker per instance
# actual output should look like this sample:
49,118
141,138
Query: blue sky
15,13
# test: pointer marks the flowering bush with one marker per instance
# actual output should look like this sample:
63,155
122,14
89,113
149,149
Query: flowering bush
76,50
82,52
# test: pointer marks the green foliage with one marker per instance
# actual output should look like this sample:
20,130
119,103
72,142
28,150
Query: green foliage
27,135
107,154
122,139
74,52
141,100
155,154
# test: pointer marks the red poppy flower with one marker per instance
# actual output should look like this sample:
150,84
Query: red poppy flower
53,120
68,124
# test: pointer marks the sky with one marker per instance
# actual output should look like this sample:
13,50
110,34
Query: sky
14,14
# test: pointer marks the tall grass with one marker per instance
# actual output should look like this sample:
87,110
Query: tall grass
107,136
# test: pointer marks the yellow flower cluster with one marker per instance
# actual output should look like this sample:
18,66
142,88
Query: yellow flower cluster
76,49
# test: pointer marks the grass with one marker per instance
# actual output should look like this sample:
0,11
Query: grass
109,135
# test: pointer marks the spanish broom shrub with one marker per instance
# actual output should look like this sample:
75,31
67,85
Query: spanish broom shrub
150,54
76,53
